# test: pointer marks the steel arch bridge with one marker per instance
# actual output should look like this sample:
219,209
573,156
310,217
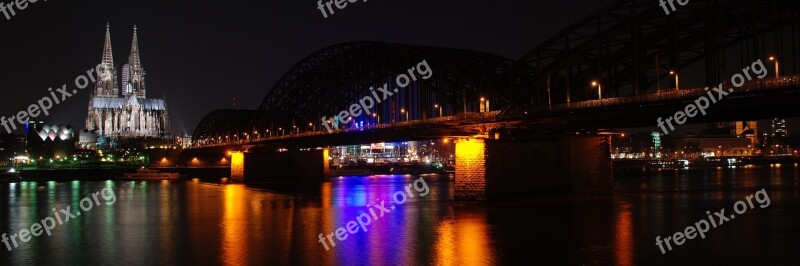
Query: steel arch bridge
629,47
330,80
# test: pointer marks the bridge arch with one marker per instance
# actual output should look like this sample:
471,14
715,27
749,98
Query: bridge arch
619,44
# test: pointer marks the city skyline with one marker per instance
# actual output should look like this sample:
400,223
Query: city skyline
355,132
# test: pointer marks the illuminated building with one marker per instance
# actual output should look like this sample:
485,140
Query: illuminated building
132,114
778,128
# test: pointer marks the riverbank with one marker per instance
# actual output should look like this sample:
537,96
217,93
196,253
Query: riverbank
100,174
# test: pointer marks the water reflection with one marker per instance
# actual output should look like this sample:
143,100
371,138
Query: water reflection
623,235
199,223
463,241
234,231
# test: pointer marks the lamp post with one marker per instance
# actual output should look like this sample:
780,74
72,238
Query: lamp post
313,127
777,67
677,79
483,105
377,117
403,111
281,130
437,106
599,89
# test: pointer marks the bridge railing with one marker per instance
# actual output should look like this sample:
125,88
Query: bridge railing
471,117
757,85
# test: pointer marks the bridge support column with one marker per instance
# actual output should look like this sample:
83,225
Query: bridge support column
237,166
488,169
303,166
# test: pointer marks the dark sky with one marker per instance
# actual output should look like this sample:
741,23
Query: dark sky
201,54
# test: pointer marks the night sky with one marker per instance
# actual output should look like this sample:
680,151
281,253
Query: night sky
202,54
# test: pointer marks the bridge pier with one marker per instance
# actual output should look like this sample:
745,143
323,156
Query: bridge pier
292,165
568,164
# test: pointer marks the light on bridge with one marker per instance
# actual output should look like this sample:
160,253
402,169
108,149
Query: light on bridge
677,79
777,68
599,89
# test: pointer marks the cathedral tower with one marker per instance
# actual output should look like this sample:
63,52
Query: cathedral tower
107,86
133,73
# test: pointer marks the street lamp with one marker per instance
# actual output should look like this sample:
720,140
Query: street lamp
403,111
484,105
599,89
777,73
437,106
281,129
377,117
677,79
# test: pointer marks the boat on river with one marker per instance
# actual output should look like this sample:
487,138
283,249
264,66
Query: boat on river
150,174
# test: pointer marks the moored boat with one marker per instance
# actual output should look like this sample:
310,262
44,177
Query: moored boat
150,174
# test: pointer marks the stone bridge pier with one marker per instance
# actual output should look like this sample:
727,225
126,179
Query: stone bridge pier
486,169
568,164
294,165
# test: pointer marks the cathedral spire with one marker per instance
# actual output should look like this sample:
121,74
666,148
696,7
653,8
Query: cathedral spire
133,73
108,55
134,60
106,85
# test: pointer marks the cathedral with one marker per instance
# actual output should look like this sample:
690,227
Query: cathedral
129,114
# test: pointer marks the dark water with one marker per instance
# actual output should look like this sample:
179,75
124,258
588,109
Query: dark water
167,223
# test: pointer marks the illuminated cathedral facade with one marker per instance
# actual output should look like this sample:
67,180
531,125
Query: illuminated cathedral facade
128,113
